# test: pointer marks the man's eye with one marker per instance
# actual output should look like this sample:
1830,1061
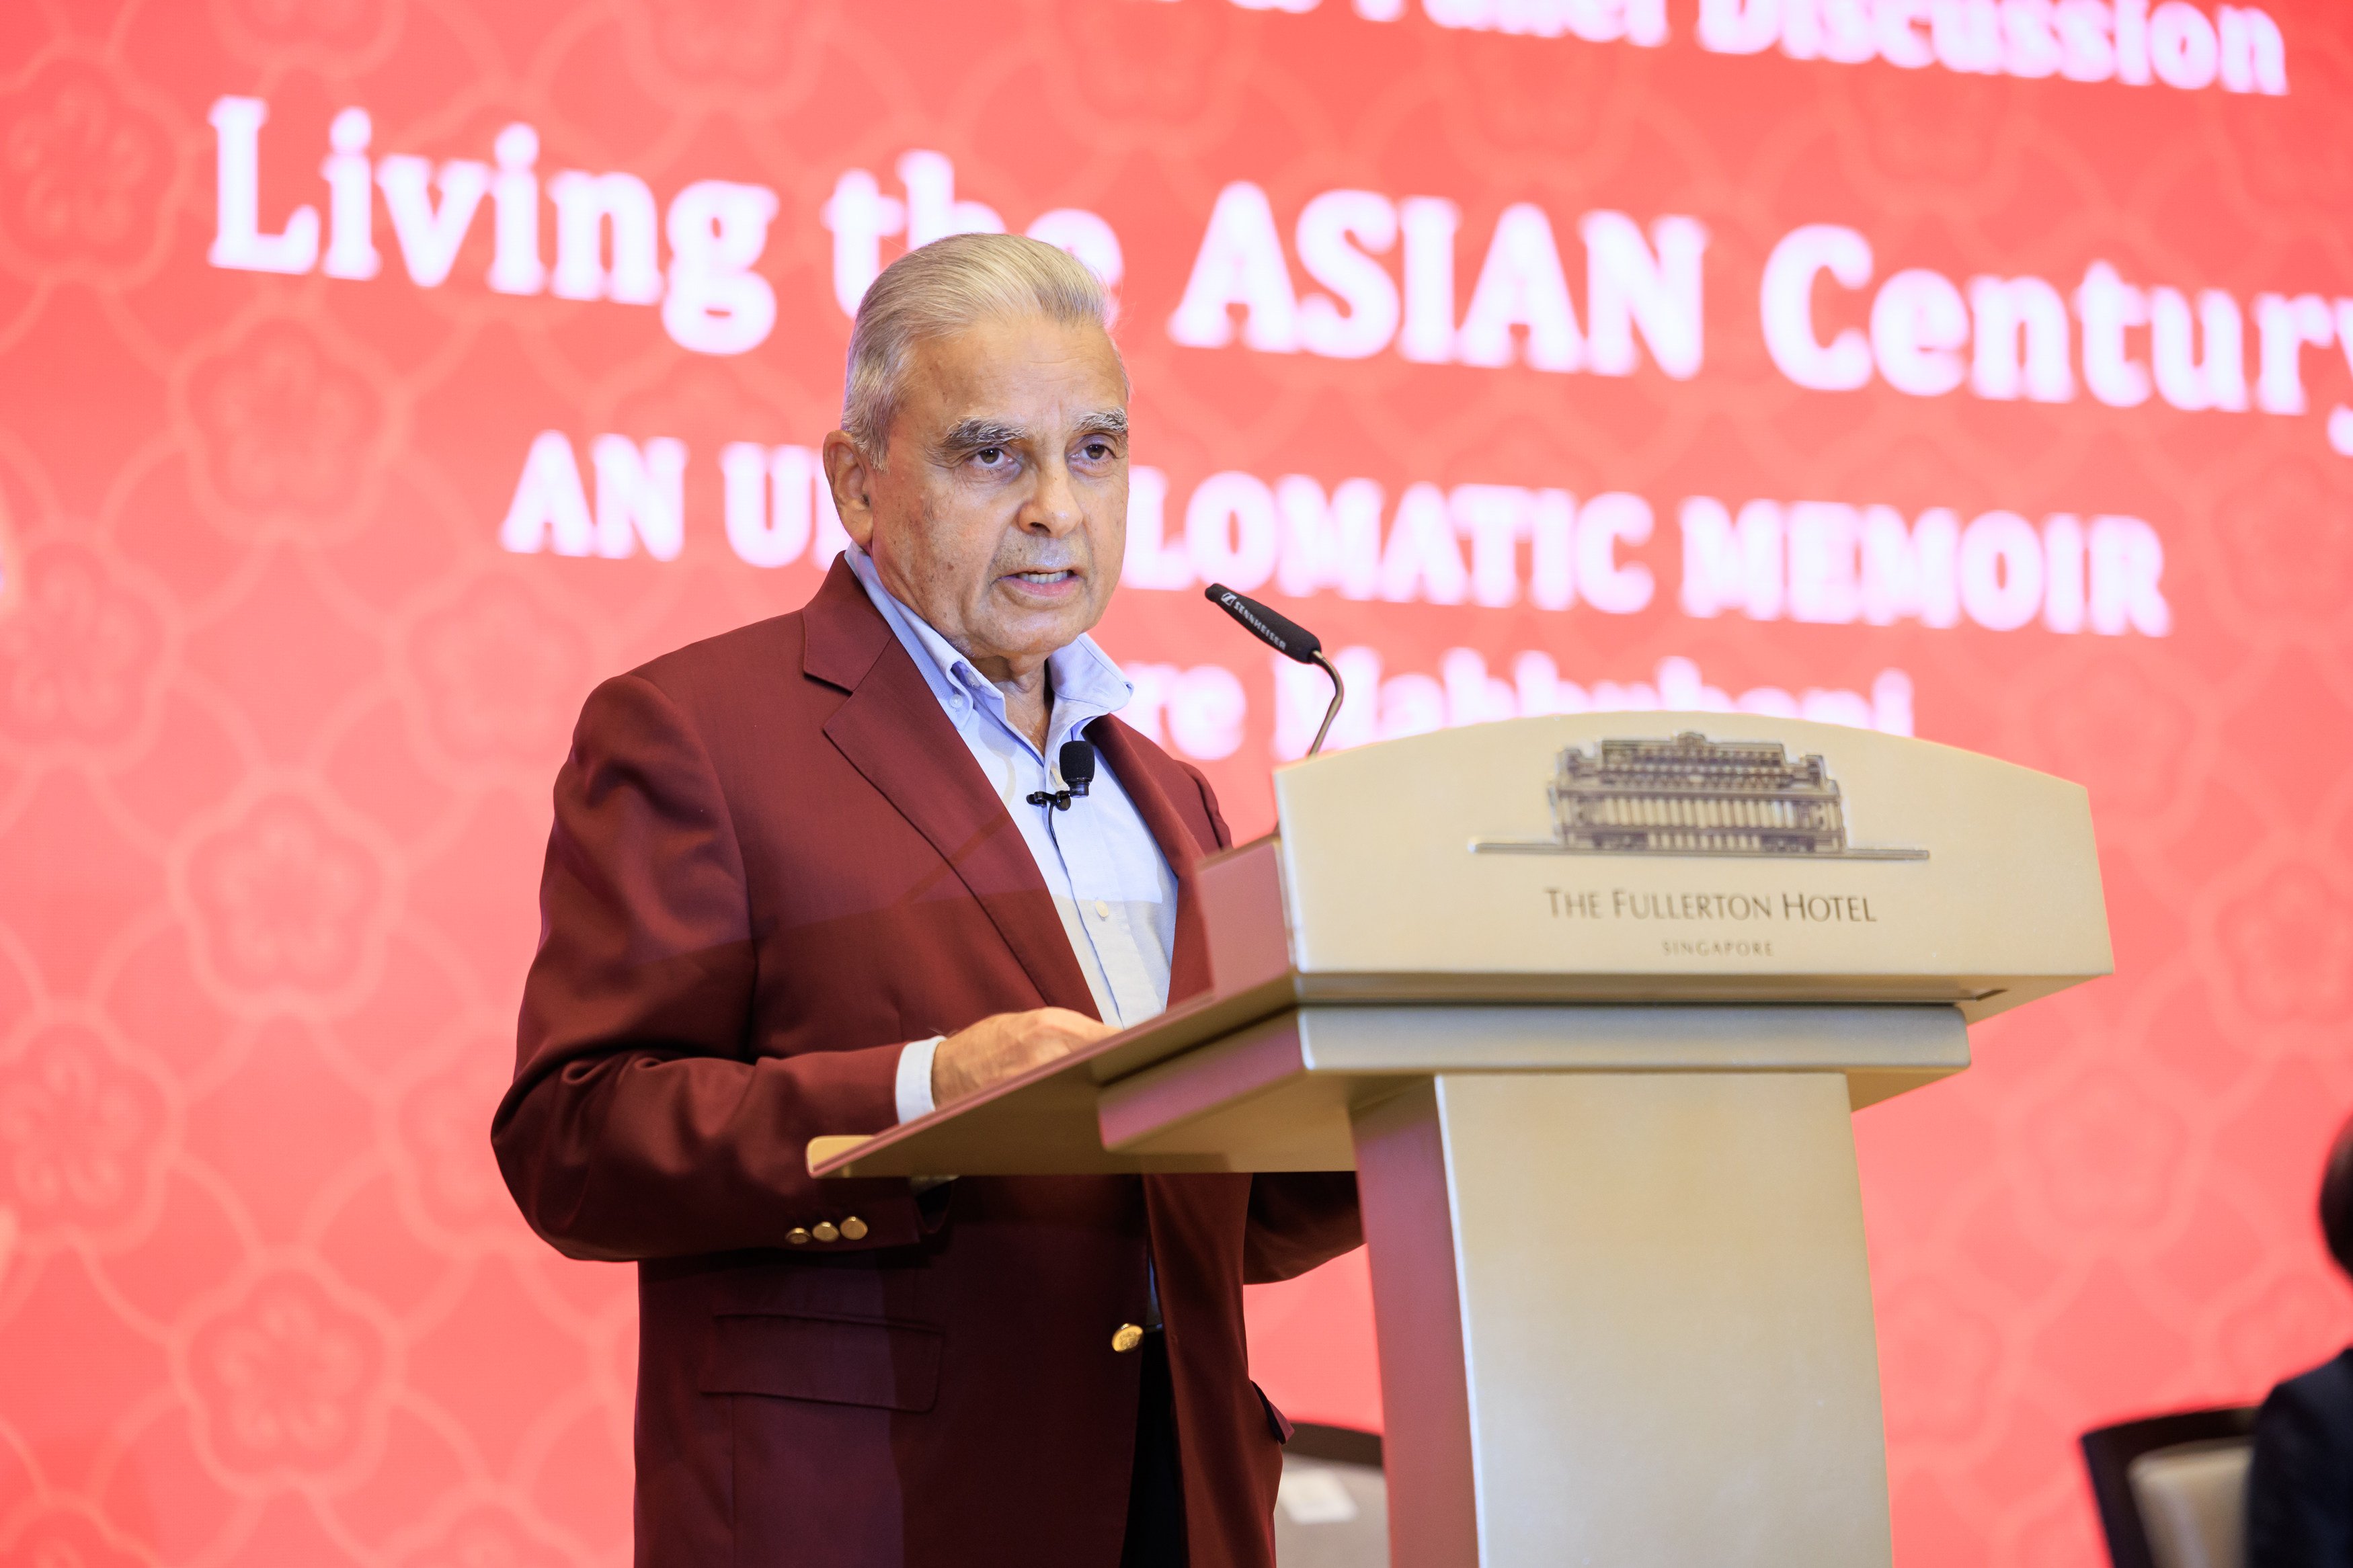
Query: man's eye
1099,450
989,457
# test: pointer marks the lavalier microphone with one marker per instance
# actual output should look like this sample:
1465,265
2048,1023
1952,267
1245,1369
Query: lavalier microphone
1077,763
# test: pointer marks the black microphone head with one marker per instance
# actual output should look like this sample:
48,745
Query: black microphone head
1078,764
1287,638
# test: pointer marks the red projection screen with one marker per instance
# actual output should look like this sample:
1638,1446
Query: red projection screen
380,374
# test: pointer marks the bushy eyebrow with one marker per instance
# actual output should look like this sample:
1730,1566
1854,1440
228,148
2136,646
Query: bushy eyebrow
973,435
977,434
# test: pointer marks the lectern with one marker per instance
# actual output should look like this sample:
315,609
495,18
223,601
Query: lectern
1585,1001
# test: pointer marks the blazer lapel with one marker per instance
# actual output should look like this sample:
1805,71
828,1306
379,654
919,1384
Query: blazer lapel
1189,966
892,730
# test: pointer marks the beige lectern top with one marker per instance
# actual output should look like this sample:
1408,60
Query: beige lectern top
1688,857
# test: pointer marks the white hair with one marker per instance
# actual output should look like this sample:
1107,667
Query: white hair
939,290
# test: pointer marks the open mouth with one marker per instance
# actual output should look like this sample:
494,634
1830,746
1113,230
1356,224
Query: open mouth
1044,579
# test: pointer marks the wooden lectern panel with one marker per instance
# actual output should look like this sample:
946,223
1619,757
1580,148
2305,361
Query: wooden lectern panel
1625,1319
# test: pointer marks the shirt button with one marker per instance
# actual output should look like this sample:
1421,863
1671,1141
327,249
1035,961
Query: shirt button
1126,1337
1103,909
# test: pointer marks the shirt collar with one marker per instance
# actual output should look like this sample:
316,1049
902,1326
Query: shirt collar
1086,683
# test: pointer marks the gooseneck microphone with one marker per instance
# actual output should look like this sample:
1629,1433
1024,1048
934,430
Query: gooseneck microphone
1288,638
1077,761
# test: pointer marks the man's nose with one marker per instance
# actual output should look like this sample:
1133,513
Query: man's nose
1054,507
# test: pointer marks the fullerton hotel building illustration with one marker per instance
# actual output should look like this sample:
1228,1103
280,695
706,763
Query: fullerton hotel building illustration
1692,795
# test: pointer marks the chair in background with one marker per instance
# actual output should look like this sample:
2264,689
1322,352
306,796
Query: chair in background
2172,1489
1332,1511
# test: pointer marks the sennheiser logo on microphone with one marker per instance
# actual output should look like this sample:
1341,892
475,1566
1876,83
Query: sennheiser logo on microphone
1260,628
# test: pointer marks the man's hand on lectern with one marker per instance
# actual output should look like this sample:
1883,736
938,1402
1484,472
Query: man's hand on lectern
1008,1042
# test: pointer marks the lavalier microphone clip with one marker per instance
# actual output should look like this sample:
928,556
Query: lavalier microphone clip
1077,763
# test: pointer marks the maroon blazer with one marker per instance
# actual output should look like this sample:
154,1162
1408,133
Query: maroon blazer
774,862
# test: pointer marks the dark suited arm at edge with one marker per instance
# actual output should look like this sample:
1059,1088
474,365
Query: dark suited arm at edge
2300,1482
639,1124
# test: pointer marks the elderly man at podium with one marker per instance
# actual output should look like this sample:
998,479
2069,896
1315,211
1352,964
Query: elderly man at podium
820,876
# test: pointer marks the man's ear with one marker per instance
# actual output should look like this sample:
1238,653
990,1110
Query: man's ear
851,476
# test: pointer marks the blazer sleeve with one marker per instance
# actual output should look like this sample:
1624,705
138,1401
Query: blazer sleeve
1299,1220
640,1123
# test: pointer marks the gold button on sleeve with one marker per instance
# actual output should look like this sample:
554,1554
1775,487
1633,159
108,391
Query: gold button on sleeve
853,1229
798,1236
823,1230
1127,1338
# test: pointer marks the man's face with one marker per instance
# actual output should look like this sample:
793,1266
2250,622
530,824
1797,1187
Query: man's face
1002,516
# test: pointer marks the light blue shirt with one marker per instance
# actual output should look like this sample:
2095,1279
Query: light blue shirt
1111,885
